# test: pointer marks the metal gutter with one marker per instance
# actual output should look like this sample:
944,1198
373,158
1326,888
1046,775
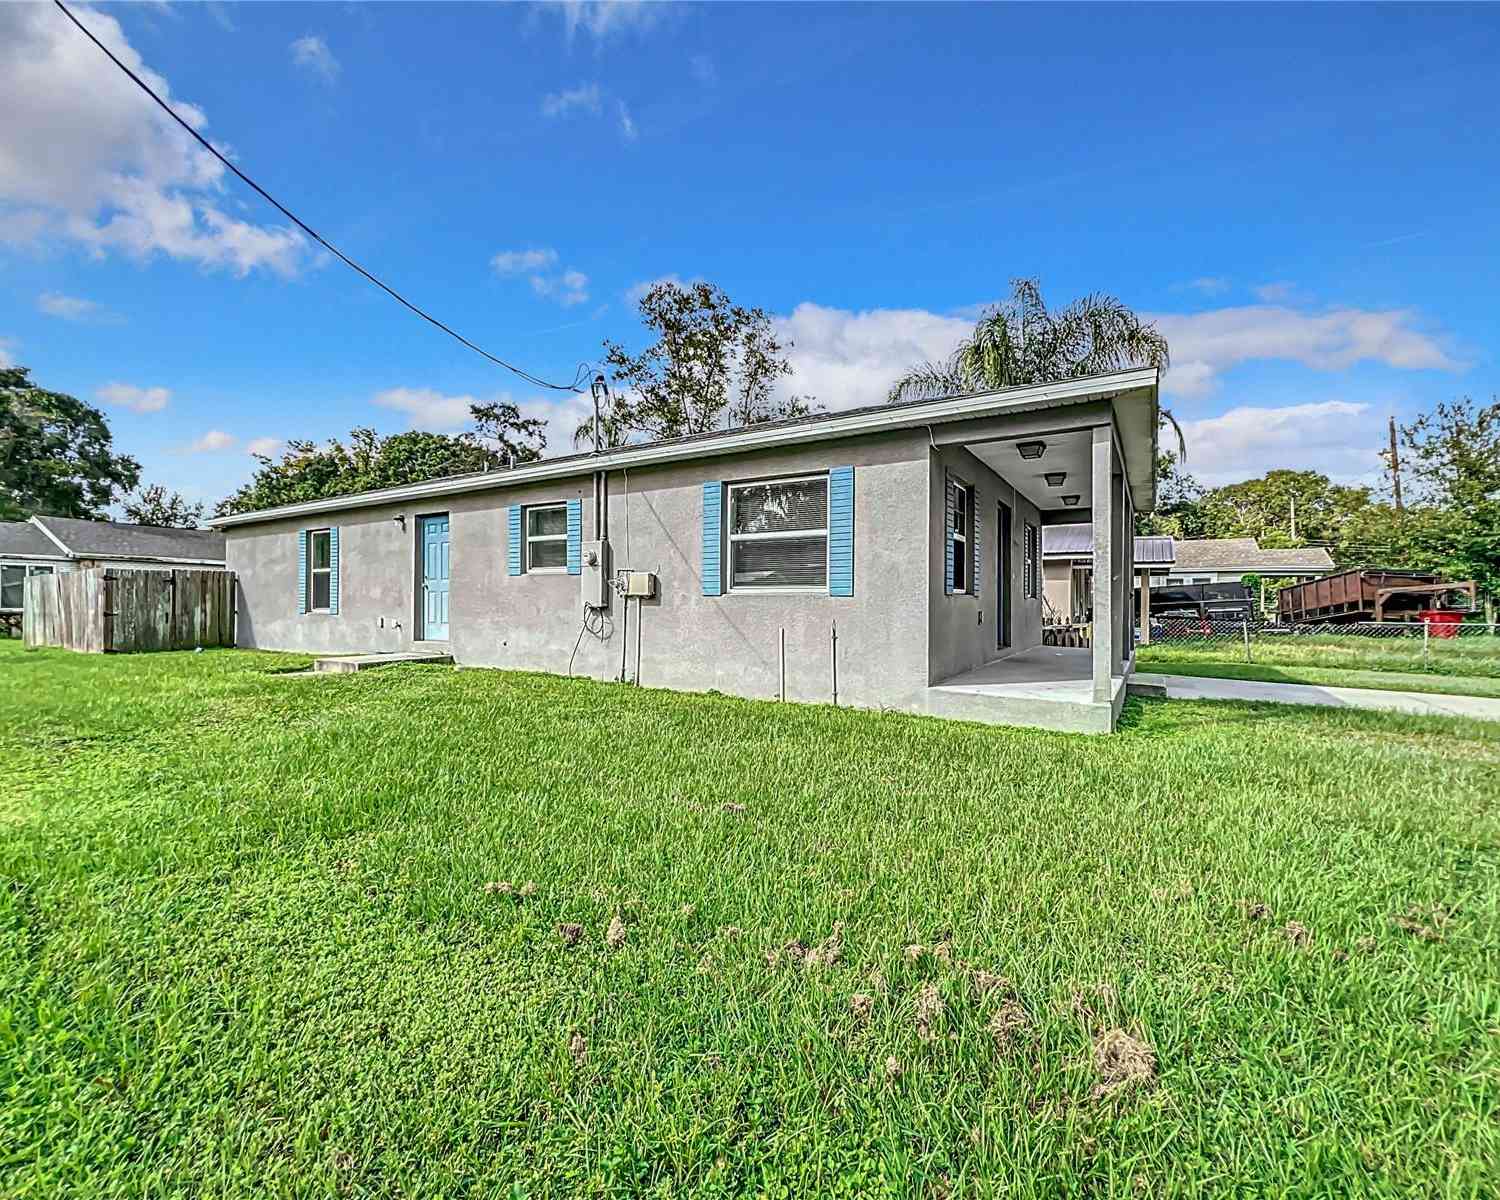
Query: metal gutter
756,437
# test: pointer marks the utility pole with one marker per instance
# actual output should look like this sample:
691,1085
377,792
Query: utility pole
1395,467
1294,516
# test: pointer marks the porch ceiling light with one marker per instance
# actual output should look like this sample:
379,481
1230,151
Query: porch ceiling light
1055,478
1070,501
1031,449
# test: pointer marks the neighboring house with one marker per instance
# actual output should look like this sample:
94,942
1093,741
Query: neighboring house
46,544
1229,560
1068,569
887,556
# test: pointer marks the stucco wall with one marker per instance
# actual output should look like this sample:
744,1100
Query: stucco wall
959,639
688,640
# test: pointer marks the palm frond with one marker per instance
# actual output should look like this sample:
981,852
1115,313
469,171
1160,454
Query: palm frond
1165,417
926,381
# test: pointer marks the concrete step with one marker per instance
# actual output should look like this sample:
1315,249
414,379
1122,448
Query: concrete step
345,663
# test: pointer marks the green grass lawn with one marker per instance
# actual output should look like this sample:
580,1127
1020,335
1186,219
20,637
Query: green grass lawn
1473,655
1396,681
247,946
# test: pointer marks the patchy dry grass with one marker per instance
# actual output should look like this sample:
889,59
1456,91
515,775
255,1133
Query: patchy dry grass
426,933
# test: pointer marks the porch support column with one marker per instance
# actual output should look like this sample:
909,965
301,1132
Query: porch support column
1124,572
1103,451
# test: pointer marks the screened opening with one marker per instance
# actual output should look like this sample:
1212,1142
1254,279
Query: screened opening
547,538
778,534
12,586
319,569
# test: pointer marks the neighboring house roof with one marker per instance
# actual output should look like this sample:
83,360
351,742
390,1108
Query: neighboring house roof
1245,554
1077,541
876,418
22,539
73,538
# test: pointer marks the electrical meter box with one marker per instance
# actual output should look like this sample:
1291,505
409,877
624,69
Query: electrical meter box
595,577
639,585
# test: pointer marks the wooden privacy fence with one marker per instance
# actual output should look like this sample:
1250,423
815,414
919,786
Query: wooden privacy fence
114,610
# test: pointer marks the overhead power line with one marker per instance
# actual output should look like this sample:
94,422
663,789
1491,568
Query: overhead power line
314,234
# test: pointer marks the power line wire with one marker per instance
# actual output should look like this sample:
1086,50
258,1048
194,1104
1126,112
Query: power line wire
314,234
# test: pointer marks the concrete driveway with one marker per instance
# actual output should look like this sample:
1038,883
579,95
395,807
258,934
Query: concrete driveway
1199,687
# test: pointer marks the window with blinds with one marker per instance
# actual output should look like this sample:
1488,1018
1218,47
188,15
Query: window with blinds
547,537
319,570
778,534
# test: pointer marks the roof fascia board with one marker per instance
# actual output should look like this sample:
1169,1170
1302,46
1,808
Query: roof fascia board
51,537
753,438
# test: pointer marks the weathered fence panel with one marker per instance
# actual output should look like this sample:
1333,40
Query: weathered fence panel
114,610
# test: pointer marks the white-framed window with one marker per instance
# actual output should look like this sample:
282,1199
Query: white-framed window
319,570
1203,578
778,534
13,583
547,537
963,505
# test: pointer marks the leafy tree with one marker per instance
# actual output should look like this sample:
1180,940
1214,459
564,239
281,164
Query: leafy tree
1263,509
714,364
56,454
500,426
1179,502
155,505
307,471
1452,457
1023,341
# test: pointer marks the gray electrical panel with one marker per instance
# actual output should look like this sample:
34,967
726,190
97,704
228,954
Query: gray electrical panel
596,574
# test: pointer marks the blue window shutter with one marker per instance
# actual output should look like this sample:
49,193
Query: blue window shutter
974,541
302,571
841,531
333,570
575,537
513,545
947,533
713,539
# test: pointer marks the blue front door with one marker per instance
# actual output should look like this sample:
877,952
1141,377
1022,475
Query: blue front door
435,579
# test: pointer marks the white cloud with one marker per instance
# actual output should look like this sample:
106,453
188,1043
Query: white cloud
567,287
86,157
518,262
69,308
1275,293
606,18
137,399
1336,437
427,407
1206,344
269,446
311,53
212,441
8,348
627,124
846,359
584,98
1209,285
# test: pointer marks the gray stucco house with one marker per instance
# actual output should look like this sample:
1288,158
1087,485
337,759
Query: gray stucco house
893,551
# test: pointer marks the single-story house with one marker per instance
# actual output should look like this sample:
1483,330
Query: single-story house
887,556
42,545
1229,560
1068,569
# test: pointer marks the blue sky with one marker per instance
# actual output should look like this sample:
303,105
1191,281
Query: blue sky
1303,197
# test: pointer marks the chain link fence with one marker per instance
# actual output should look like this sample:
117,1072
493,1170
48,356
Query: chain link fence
1464,648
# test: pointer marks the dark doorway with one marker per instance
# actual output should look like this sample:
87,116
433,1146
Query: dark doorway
1002,578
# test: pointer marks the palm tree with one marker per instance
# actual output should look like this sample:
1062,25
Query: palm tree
1020,341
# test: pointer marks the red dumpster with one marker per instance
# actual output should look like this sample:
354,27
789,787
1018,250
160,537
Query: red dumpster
1441,623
